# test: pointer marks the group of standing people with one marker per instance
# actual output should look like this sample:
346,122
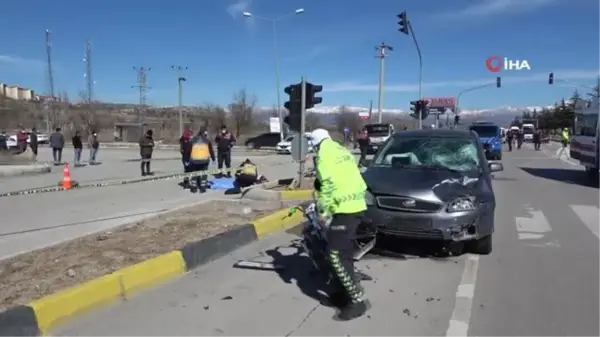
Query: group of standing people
197,151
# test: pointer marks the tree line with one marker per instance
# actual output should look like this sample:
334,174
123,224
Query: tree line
561,115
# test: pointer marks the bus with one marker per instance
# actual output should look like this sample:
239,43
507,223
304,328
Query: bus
378,135
584,140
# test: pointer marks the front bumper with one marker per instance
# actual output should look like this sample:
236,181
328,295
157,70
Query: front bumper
283,150
440,226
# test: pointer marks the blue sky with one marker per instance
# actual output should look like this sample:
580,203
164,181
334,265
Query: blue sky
332,43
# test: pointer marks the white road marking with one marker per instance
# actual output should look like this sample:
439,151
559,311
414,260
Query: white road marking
534,227
461,315
589,215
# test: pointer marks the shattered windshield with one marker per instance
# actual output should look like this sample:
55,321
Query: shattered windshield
456,154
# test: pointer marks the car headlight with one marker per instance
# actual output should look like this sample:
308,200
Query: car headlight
369,198
462,204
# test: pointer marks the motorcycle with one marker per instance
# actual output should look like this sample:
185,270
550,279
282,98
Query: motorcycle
314,241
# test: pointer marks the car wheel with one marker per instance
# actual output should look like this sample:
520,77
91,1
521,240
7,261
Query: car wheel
481,246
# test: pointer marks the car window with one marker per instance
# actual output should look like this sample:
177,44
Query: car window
453,152
289,138
485,131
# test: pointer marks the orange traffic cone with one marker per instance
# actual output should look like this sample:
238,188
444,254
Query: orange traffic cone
66,181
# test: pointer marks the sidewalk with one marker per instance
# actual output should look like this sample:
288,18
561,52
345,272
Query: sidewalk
22,170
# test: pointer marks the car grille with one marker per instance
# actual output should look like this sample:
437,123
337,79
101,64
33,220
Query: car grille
431,234
399,203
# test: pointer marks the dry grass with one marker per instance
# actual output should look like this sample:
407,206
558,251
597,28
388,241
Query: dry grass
36,274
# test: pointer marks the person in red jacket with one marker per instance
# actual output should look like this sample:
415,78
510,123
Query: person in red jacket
22,138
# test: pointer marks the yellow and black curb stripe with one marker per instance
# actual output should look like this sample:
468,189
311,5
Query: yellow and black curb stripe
41,316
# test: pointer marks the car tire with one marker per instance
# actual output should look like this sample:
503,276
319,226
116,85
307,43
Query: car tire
482,246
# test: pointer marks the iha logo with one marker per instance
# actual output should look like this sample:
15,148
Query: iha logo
497,63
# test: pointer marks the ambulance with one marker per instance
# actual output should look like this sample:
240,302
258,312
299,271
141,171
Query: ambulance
584,140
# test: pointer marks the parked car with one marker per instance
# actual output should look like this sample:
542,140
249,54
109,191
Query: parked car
433,184
11,142
269,139
285,147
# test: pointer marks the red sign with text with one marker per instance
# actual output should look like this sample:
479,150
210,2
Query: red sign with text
441,102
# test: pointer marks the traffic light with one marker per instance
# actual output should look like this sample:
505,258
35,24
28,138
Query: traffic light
419,106
311,91
551,78
498,82
403,23
293,105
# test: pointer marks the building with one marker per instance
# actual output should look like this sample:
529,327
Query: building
17,93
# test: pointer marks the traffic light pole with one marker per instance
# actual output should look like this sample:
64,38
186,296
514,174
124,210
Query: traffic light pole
302,131
412,33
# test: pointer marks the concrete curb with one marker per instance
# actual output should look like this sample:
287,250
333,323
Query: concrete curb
40,316
24,170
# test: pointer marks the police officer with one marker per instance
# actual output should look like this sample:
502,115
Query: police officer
225,141
363,145
565,139
509,139
200,154
185,149
342,199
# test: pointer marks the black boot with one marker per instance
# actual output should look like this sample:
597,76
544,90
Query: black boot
352,311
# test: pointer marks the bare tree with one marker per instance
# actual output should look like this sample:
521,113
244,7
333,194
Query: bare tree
348,119
241,109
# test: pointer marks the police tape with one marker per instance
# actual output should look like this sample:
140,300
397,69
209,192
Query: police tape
78,186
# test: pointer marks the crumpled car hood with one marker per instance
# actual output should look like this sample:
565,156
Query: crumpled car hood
434,185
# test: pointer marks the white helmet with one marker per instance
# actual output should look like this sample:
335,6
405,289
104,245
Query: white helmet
319,135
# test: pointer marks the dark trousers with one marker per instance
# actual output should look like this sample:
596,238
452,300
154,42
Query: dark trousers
145,164
224,158
363,155
34,149
537,144
341,237
519,143
200,181
57,154
509,141
244,180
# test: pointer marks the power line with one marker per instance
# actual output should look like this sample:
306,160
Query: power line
142,86
180,79
382,53
50,113
87,60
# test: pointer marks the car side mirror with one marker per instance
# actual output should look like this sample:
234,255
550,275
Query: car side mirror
496,167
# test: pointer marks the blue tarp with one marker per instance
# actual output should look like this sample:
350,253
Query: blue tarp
221,183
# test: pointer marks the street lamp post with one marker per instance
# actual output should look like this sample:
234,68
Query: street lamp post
464,92
180,79
276,50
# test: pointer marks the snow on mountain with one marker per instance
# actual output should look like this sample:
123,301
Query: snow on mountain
504,110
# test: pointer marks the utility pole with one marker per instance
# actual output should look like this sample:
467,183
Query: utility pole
180,79
142,86
89,94
382,53
50,119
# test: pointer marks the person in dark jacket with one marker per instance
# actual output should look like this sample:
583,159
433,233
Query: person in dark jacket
146,149
93,146
225,141
185,149
520,137
537,139
510,135
77,148
363,145
3,140
33,141
200,154
57,143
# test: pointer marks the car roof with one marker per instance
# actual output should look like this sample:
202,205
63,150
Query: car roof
450,133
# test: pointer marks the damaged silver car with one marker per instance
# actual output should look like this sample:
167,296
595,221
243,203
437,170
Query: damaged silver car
436,185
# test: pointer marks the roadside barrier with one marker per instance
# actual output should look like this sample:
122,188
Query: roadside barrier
82,185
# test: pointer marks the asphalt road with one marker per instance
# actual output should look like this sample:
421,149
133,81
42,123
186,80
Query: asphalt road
541,279
38,220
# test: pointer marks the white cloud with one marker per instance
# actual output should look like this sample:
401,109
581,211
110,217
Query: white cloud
574,74
20,62
486,8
